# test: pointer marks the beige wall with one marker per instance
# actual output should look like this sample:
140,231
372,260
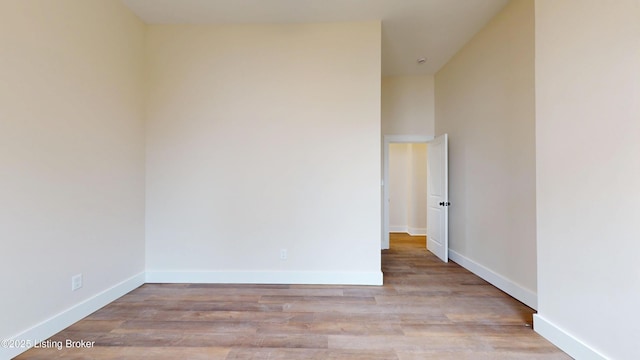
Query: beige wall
588,166
399,186
417,217
71,155
407,105
484,100
262,138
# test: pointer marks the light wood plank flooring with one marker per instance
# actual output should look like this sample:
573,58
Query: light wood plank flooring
425,310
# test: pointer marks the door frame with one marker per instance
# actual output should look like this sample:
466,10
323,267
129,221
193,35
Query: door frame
387,140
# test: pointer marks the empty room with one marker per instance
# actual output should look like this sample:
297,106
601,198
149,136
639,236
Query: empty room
209,179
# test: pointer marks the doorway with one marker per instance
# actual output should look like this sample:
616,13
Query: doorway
404,207
408,188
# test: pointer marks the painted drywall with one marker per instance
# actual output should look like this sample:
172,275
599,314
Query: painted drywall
262,138
588,171
408,188
417,214
71,156
484,100
408,105
399,186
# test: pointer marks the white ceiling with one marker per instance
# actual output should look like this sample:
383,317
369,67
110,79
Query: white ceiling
435,29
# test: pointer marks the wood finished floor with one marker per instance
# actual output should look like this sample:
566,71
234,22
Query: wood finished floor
425,310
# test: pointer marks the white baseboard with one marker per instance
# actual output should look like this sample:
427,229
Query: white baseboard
523,294
417,231
57,323
565,341
409,230
266,277
398,229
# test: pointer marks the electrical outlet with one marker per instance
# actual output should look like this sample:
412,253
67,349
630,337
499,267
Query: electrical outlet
283,254
76,282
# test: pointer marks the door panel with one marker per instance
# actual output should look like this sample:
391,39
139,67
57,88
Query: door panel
438,198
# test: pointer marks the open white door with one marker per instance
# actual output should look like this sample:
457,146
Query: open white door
438,198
